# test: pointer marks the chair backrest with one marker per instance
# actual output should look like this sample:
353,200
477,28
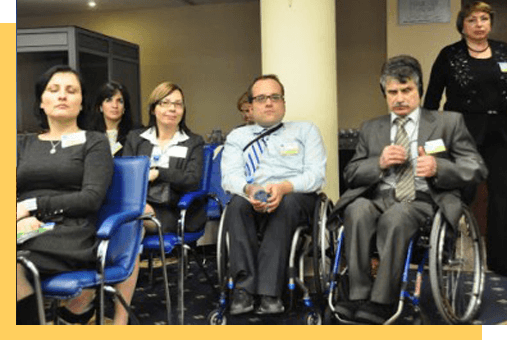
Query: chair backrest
213,211
127,192
206,166
128,188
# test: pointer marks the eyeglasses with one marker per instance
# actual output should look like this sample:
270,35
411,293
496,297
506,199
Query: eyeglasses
168,103
263,98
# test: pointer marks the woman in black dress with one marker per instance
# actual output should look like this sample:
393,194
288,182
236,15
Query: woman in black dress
113,115
62,177
473,73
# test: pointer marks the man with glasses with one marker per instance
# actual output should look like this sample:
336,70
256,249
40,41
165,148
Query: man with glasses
274,170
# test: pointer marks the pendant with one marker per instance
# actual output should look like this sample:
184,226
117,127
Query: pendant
52,151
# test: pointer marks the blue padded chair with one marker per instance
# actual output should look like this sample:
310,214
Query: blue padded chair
210,188
120,233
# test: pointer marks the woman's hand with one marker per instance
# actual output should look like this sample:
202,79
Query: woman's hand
21,211
28,224
153,175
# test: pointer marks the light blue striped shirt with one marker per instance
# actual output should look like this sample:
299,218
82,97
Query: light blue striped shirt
295,153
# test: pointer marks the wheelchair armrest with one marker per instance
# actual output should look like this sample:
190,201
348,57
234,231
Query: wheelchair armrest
113,222
190,197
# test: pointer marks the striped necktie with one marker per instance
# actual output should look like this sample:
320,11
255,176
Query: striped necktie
405,186
254,153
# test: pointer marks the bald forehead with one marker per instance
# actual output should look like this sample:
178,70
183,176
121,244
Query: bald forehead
269,85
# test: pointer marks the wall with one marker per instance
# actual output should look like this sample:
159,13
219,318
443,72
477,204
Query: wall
361,51
423,41
211,51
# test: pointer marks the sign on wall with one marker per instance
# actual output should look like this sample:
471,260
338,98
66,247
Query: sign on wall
423,11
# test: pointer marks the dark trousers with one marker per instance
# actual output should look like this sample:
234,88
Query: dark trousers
494,152
260,243
394,223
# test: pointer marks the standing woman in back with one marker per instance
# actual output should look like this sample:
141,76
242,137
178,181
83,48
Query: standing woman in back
113,115
473,72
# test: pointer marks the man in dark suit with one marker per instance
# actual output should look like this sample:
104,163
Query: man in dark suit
406,164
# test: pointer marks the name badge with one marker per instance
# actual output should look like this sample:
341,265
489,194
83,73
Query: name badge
288,149
503,66
116,147
73,139
434,146
178,151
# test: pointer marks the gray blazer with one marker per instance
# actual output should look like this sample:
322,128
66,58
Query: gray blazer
458,166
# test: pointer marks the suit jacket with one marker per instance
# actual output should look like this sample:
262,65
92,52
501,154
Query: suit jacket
458,166
183,174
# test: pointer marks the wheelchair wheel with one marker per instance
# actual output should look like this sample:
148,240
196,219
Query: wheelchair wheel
313,318
217,318
222,251
456,264
322,245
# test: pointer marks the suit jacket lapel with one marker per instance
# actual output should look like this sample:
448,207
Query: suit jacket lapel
384,132
427,125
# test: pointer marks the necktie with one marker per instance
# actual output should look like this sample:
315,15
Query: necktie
254,153
405,186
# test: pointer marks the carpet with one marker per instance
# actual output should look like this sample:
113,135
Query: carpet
200,299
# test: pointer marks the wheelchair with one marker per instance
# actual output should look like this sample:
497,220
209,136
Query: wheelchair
455,261
308,241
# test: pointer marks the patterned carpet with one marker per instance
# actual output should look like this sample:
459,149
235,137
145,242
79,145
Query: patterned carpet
200,300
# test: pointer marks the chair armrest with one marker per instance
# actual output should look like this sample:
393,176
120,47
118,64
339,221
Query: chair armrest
190,197
113,222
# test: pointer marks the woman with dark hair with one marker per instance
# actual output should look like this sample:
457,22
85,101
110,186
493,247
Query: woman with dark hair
473,73
62,177
113,115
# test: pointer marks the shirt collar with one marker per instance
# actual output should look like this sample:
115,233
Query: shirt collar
414,116
257,129
151,136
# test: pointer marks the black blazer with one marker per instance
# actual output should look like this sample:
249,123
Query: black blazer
183,174
451,71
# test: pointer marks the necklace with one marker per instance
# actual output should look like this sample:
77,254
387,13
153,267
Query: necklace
53,146
478,51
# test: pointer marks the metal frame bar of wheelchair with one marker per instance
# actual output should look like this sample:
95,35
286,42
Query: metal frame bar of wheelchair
404,294
293,278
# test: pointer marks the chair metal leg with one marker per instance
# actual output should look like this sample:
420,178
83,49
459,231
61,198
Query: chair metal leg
38,291
164,270
181,268
120,298
200,262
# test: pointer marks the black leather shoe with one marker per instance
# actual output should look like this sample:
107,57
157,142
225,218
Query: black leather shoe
242,302
373,313
270,305
347,309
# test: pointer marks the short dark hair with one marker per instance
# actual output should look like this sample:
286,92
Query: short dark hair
401,68
264,77
242,100
83,119
160,92
107,91
476,6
